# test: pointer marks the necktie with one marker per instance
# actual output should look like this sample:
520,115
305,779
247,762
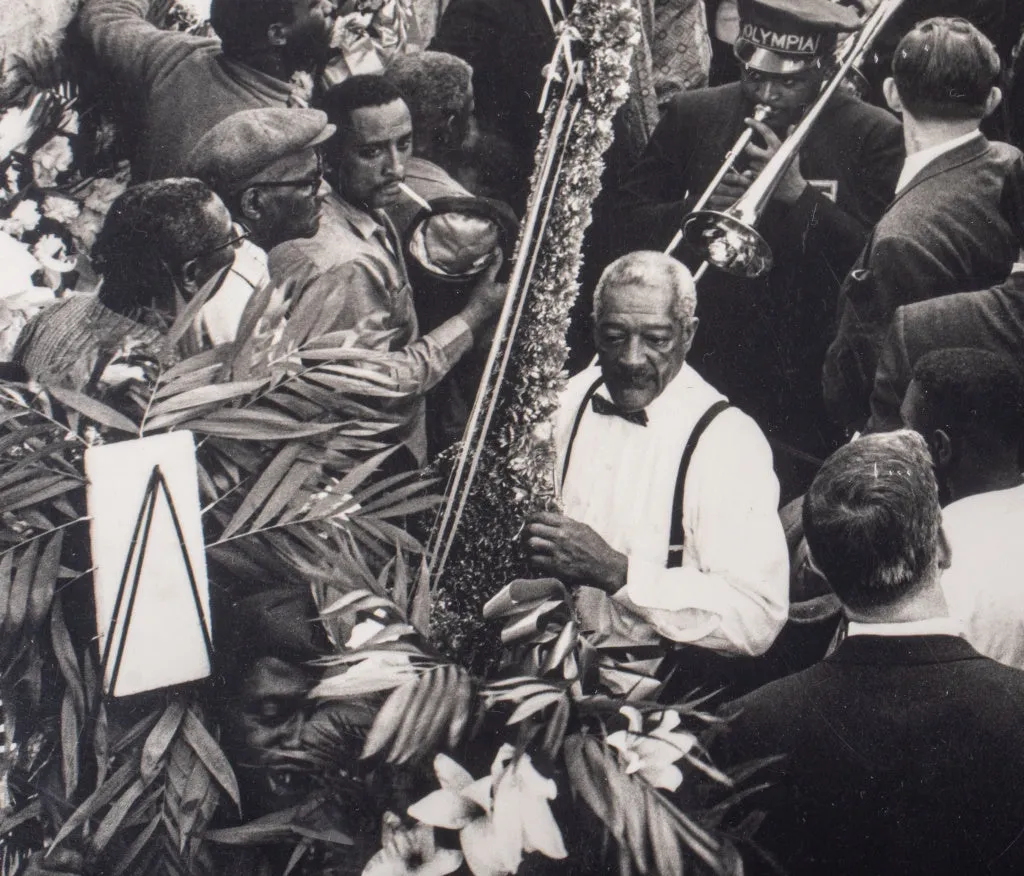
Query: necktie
601,405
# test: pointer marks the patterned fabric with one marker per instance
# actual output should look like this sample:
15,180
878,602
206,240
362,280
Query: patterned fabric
680,47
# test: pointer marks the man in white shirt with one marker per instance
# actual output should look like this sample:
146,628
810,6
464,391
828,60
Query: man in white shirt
898,750
955,223
698,555
969,405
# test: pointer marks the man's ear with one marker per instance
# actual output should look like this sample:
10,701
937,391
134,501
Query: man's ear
250,204
187,281
892,95
942,448
945,552
277,34
995,97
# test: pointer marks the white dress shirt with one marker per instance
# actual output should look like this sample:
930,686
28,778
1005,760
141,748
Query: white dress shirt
931,626
984,585
917,162
731,593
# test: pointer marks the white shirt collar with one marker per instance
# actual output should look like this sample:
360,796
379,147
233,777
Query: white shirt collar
933,626
917,162
666,404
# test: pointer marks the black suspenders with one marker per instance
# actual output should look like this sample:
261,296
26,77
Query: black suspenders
676,534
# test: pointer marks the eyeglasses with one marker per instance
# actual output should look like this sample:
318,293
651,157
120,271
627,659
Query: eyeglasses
303,182
239,233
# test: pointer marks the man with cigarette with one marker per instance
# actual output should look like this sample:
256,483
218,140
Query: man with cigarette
352,276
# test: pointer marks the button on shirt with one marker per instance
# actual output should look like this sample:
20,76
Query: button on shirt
351,276
731,592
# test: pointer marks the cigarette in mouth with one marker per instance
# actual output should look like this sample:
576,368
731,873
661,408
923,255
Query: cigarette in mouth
409,193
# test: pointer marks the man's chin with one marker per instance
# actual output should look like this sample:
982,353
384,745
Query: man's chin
271,789
632,399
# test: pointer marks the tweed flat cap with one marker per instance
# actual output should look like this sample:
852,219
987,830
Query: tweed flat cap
237,150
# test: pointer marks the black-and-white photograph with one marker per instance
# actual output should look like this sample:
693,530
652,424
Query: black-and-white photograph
511,437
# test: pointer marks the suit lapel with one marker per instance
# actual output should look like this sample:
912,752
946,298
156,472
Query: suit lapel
964,154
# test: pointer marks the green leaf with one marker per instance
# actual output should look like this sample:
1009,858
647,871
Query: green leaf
288,490
247,425
94,410
116,814
209,752
45,582
39,490
218,393
14,630
138,844
96,801
160,738
261,491
533,705
69,733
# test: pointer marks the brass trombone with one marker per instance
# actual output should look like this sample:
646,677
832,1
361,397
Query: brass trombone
728,240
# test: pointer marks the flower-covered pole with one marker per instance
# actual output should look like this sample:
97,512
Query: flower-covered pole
512,470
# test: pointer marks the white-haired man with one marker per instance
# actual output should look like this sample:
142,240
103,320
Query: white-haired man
669,494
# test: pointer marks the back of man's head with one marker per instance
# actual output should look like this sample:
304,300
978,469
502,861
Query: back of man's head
945,68
151,230
242,25
357,92
871,518
968,393
436,87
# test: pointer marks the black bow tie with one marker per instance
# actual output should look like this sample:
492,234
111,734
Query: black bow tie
601,405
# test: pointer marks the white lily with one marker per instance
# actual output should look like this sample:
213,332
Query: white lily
653,755
499,817
410,851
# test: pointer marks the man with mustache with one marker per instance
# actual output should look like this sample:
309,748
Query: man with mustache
669,495
351,275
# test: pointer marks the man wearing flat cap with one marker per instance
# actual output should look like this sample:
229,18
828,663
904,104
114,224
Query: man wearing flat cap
265,166
180,86
763,340
352,276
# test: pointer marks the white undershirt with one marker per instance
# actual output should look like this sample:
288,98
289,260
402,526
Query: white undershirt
917,162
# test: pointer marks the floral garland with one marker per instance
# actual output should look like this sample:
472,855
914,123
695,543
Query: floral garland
516,474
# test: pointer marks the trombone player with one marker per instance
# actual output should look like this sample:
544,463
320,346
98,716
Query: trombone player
765,338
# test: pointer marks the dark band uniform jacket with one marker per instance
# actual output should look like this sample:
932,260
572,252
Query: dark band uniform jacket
990,319
902,754
762,341
955,227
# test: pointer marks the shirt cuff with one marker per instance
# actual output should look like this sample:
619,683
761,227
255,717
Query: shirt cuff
454,337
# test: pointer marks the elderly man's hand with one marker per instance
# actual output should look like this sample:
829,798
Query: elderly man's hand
571,551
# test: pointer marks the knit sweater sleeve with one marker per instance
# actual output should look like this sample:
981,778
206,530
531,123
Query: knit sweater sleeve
128,46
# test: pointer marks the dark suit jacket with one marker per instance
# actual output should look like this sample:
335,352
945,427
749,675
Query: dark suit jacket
903,756
762,342
992,319
955,227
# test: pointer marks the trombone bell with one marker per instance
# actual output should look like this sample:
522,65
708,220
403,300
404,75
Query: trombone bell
728,243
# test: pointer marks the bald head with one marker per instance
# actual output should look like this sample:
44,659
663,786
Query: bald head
643,325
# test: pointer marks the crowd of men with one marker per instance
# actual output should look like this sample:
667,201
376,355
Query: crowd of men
868,380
